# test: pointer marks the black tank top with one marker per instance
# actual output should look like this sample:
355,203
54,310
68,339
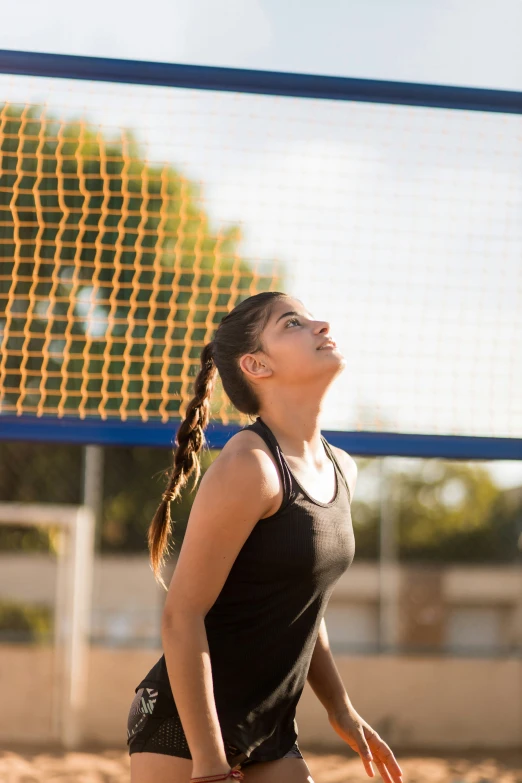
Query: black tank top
263,625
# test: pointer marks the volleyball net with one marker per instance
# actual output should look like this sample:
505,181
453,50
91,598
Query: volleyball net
134,215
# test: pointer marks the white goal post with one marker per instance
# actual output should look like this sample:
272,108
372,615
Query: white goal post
72,618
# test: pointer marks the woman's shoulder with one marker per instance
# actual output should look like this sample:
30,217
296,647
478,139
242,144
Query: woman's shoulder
248,444
245,440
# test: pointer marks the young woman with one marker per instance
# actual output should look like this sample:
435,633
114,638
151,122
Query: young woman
269,535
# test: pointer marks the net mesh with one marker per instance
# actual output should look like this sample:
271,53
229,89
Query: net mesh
133,218
112,277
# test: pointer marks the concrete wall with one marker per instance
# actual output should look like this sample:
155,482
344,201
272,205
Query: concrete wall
431,699
426,702
451,609
126,601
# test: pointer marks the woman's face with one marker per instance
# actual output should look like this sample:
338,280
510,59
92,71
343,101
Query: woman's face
291,347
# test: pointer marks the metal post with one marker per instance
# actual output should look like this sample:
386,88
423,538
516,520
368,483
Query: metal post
388,564
92,485
80,568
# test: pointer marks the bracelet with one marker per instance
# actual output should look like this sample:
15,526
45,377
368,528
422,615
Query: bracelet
234,773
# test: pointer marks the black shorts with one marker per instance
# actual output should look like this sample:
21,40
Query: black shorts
159,733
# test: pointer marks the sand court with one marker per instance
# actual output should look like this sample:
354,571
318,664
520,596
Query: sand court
37,765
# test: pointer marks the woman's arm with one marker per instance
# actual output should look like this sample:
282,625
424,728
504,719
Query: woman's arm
235,492
324,677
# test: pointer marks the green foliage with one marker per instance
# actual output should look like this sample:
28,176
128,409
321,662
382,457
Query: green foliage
91,227
437,519
123,245
25,623
86,217
444,511
135,479
443,500
37,473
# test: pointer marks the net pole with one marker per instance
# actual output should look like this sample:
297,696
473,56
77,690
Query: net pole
388,564
79,594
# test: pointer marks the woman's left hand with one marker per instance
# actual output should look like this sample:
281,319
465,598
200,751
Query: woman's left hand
366,742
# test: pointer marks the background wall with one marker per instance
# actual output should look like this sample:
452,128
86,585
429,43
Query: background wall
454,681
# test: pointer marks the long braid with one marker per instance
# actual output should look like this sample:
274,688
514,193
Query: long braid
239,332
189,439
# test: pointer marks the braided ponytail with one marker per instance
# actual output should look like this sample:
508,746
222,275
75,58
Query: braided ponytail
239,332
189,439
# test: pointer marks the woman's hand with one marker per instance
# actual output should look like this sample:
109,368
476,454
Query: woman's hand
366,742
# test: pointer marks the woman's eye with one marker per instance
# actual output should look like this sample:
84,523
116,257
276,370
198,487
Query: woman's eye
292,319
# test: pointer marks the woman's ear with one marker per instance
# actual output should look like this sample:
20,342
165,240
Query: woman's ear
254,366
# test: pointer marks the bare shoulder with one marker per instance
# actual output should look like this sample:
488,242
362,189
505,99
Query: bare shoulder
248,444
246,441
245,447
349,467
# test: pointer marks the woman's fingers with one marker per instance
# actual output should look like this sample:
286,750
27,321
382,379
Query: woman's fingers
385,775
365,754
384,757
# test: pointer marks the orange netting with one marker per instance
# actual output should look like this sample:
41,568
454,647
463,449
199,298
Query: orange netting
133,217
116,279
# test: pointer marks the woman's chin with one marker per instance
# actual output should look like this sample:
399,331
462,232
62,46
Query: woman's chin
336,358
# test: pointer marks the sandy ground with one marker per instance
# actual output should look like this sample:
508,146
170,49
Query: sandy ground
26,765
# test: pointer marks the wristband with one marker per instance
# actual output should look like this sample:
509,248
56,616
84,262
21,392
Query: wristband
234,773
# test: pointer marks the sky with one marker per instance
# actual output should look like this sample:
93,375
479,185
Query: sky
466,42
401,226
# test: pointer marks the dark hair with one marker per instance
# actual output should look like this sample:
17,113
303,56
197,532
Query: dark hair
238,333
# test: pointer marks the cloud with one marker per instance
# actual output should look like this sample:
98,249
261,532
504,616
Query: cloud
161,30
240,27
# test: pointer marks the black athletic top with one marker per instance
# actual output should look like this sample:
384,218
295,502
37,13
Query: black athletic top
263,625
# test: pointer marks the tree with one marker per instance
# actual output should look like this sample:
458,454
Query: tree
445,511
111,280
111,276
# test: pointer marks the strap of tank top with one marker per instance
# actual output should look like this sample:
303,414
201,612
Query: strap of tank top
266,433
336,462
